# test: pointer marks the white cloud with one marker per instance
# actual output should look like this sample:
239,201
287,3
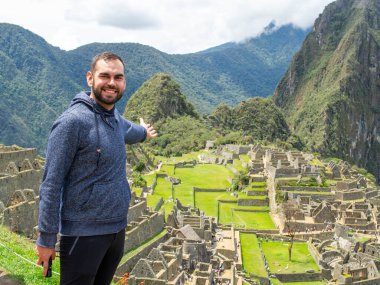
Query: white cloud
173,26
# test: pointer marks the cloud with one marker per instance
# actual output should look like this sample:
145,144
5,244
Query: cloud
173,26
126,17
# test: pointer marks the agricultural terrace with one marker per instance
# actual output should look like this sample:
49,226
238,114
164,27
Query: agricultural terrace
252,260
276,253
175,159
277,282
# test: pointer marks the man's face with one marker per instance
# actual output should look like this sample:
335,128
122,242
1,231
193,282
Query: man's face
107,82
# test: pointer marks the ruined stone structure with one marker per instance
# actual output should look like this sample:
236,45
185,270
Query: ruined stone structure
20,177
196,253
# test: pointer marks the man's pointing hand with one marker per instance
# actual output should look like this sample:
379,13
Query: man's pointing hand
150,131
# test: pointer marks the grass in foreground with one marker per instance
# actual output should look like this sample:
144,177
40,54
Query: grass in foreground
19,269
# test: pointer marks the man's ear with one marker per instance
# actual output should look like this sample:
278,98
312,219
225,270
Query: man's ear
90,78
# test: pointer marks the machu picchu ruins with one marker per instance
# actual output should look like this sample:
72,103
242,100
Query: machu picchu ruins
329,207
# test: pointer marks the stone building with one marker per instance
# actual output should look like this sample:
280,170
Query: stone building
20,178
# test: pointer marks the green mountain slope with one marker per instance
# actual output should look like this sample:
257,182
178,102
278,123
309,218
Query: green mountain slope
160,102
38,80
331,91
257,119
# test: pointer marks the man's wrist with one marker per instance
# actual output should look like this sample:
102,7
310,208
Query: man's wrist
47,240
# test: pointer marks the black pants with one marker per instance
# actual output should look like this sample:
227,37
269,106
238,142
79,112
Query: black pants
90,260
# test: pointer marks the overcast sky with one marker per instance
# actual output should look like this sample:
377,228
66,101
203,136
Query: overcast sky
172,26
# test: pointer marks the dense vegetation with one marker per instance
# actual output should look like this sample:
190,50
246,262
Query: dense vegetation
38,80
181,129
254,120
160,102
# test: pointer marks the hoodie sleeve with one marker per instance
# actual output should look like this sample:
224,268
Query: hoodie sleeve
61,149
133,133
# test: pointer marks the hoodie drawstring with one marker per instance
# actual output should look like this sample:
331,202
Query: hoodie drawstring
98,149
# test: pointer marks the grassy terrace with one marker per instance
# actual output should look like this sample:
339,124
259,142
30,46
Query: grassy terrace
244,158
227,216
258,184
277,282
277,256
19,269
203,176
253,220
185,157
238,165
252,259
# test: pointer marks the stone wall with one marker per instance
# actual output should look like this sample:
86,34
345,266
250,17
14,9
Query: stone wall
257,193
28,179
17,157
145,229
328,197
299,277
287,172
253,202
128,265
349,195
197,189
304,188
22,217
301,227
136,211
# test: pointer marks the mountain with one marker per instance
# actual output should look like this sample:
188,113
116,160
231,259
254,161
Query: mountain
331,92
35,86
160,102
257,119
158,98
38,80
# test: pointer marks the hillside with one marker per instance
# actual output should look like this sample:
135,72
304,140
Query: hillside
39,80
160,102
331,91
253,120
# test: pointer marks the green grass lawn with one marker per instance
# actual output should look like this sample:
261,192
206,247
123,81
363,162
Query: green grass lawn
256,188
225,211
167,169
253,220
149,179
258,184
202,176
245,158
19,269
277,256
184,158
277,282
252,259
238,165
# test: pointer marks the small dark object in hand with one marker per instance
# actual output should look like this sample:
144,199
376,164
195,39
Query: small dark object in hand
49,270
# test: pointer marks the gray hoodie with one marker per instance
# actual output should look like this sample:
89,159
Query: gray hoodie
84,190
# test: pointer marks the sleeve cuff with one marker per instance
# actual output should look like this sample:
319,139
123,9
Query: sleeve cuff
145,135
47,240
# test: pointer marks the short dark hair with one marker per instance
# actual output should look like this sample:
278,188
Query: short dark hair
106,56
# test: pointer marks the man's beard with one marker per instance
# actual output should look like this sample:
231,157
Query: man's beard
98,95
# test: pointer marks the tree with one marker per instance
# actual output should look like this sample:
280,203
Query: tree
290,209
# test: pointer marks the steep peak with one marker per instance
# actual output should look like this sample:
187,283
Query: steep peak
158,98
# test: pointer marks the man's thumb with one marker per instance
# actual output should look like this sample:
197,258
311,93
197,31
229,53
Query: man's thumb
142,121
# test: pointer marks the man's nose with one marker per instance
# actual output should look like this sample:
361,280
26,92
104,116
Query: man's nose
112,81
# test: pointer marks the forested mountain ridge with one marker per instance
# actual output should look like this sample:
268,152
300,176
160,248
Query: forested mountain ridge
38,80
331,91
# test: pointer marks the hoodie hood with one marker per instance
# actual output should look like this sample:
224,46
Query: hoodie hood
84,98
